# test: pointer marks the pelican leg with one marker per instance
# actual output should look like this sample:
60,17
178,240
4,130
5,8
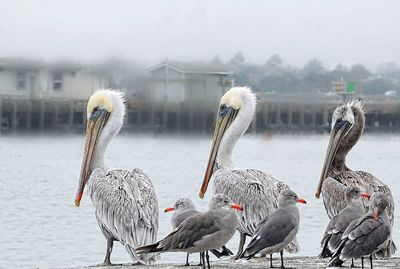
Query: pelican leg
110,244
208,260
187,260
241,244
362,262
200,262
370,260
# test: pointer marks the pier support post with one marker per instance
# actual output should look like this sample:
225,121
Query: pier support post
29,115
278,115
1,113
71,114
290,116
301,116
41,115
14,117
266,107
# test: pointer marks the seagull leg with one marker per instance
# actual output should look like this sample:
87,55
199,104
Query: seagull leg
187,260
282,259
370,260
352,263
208,260
241,244
362,262
270,261
203,262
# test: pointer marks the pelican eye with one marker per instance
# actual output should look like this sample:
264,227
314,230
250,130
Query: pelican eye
96,108
223,109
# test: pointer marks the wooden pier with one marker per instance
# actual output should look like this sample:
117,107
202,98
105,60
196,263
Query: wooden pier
47,115
290,262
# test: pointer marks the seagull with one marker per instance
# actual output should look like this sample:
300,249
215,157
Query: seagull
278,229
125,201
366,235
337,225
183,209
201,232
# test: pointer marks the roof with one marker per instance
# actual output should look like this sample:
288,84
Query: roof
195,67
29,64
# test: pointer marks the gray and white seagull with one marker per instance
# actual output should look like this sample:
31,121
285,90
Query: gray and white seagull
278,229
183,209
332,238
366,235
125,202
200,232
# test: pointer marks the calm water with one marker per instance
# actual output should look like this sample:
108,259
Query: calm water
40,227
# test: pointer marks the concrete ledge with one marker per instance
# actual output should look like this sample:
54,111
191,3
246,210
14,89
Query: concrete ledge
258,263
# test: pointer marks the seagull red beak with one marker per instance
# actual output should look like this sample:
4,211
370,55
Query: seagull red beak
365,195
168,209
375,215
237,207
302,201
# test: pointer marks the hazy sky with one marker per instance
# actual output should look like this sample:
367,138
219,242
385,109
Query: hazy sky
347,31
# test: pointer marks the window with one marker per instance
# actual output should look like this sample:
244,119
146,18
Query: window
21,80
57,81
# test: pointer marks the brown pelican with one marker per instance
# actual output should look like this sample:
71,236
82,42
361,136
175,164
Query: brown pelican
201,232
278,229
347,126
125,203
366,235
255,190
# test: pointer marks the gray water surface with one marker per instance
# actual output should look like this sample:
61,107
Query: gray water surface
40,227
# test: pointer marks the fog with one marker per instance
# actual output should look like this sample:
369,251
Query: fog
345,32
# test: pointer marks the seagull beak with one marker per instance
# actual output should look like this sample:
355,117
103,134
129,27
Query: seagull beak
94,127
222,124
365,195
375,215
338,132
169,209
237,207
302,201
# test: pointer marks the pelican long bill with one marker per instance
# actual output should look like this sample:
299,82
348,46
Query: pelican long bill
224,120
94,127
338,132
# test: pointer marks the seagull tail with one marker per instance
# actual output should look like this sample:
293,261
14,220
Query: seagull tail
387,252
325,253
152,248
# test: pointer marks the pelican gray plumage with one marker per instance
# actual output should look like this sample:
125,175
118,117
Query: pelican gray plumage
348,122
125,202
255,190
367,235
201,232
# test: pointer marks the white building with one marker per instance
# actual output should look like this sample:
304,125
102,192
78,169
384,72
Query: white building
40,80
180,82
